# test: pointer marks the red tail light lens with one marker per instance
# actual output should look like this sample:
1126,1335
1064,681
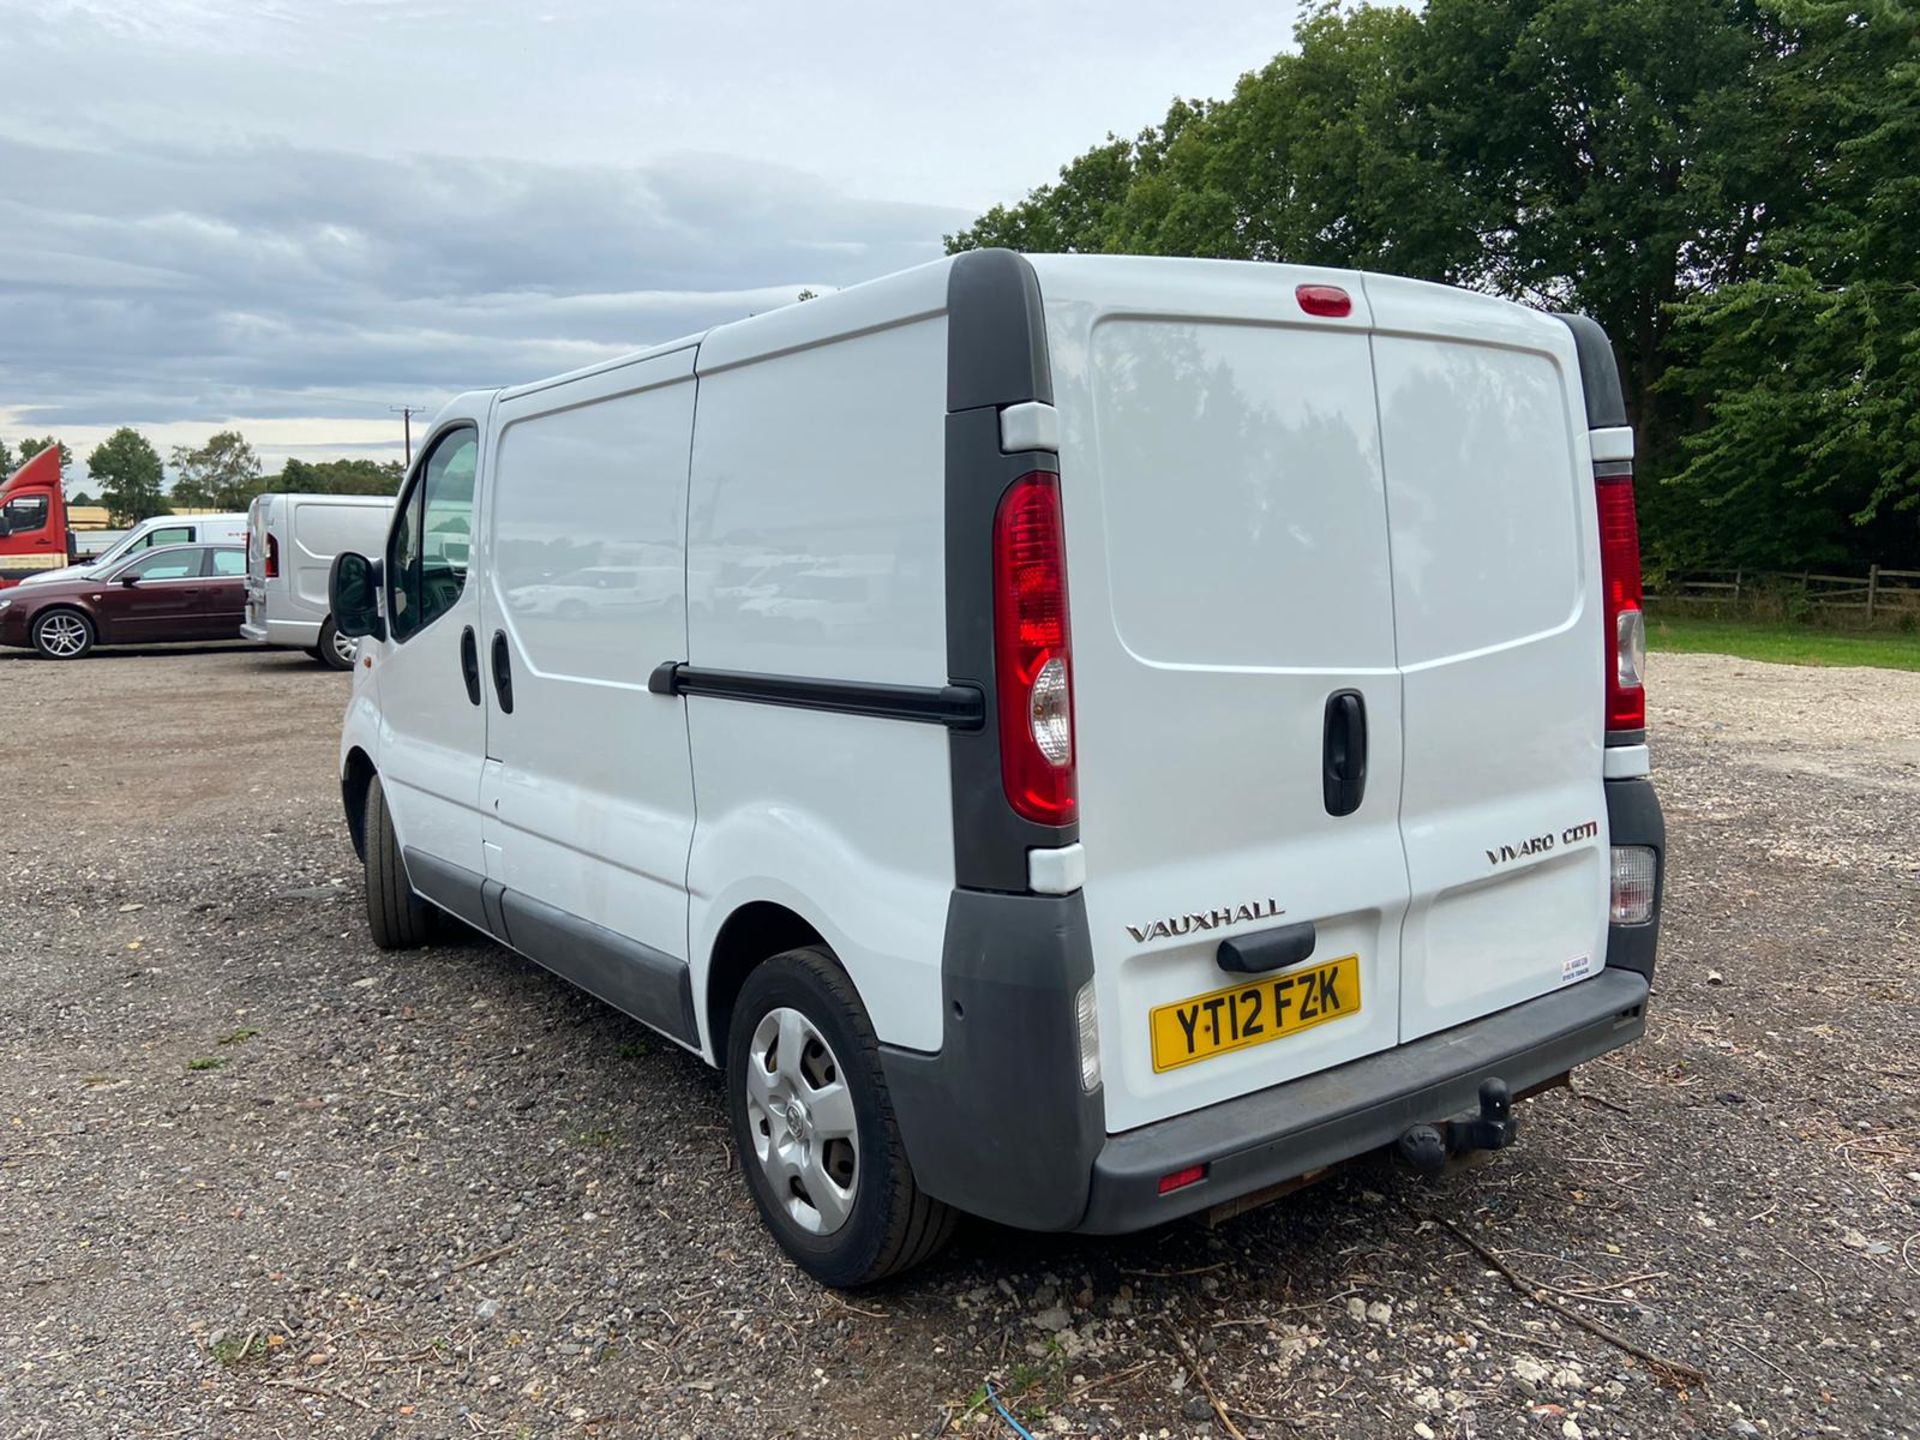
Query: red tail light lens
273,557
1626,620
1033,651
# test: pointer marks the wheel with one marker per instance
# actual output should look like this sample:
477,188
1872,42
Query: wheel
398,918
63,634
335,651
815,1131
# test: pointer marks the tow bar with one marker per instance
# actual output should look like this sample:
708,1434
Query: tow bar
1426,1148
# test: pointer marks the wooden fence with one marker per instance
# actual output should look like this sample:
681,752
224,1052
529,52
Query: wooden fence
1878,594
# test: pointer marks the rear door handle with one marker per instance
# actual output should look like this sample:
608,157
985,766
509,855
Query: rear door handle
1343,754
502,673
470,663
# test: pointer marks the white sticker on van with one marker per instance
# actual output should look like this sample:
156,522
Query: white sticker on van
1577,968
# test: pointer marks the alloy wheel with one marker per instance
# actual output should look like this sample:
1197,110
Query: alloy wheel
63,635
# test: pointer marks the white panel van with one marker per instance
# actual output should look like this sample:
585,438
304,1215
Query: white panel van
291,542
156,530
1079,740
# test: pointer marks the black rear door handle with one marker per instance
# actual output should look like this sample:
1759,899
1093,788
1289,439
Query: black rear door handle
502,673
1343,754
470,664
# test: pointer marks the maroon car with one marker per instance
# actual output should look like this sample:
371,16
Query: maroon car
171,592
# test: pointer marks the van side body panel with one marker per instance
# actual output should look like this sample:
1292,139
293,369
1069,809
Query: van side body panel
816,551
587,793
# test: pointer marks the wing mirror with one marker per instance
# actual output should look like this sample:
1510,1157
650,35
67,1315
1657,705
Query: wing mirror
129,580
353,591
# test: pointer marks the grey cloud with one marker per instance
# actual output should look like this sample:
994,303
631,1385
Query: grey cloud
147,282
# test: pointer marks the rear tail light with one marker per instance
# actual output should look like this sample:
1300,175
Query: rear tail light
273,557
1033,652
1634,870
1626,621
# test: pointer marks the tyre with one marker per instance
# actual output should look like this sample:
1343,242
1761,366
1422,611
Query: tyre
62,634
398,918
335,651
815,1131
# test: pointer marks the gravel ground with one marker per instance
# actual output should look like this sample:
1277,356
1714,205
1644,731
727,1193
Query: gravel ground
258,1179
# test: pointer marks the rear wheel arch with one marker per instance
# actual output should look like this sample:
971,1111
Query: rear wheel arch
355,778
753,934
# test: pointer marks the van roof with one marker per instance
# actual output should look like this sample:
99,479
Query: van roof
921,292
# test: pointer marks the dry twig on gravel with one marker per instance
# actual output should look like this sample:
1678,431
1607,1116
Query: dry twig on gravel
1193,1365
1674,1370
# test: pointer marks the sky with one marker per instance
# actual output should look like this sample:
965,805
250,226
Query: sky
288,216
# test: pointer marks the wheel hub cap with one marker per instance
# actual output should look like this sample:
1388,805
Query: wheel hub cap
801,1119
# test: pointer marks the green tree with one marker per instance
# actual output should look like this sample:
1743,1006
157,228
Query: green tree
6,459
1805,373
339,477
223,474
129,471
1728,186
30,448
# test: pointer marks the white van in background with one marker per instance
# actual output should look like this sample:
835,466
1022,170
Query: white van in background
157,530
1132,734
291,541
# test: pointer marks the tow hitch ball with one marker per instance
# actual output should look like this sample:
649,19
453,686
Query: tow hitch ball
1426,1147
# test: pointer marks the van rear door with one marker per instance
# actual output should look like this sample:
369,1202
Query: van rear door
1495,553
1233,631
259,532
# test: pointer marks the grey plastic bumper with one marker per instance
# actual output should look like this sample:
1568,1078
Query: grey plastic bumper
1280,1134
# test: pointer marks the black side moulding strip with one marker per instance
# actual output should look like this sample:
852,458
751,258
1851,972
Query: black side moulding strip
958,707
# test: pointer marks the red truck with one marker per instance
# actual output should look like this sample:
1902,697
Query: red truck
33,520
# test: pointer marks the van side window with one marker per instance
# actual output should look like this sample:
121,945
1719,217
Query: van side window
433,525
173,535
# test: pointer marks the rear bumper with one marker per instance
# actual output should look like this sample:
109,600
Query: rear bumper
996,1123
1276,1135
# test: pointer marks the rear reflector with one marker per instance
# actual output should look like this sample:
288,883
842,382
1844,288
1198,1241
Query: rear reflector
1323,300
1033,651
1626,623
273,558
1180,1179
1634,873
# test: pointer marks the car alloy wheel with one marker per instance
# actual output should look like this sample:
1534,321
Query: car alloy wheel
63,635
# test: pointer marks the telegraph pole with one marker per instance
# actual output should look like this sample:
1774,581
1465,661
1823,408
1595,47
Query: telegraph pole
406,414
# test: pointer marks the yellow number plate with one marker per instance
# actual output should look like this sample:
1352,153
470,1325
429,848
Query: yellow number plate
1253,1013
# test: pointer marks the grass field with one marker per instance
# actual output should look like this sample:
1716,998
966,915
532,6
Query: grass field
1784,644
